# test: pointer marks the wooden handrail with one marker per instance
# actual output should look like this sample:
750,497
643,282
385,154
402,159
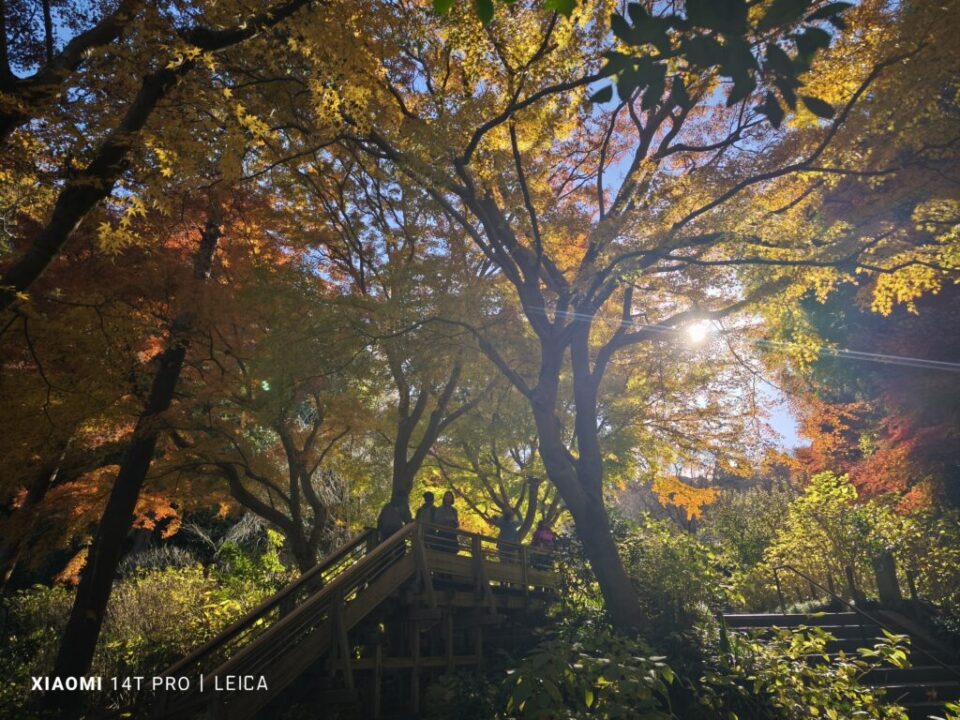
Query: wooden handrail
268,605
856,609
483,538
318,607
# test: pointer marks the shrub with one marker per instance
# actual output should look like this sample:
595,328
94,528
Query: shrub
789,675
589,671
154,617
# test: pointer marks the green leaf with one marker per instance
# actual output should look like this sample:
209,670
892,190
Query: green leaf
778,60
621,29
679,92
647,29
703,52
604,94
811,40
771,108
742,87
484,10
588,697
782,12
442,7
818,107
564,7
738,60
830,11
726,16
786,87
654,91
616,62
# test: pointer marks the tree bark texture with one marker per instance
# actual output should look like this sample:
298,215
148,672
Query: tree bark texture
96,582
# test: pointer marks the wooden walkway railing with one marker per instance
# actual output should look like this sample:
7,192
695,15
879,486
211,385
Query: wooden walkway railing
285,635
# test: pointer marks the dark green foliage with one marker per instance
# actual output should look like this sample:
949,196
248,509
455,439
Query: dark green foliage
715,36
588,671
790,676
462,695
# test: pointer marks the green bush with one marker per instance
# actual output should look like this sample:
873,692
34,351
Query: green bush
789,675
678,578
589,671
461,695
154,617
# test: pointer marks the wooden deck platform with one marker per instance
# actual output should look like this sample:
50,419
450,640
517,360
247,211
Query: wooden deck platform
417,604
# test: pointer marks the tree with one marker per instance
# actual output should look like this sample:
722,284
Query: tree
86,617
490,461
283,386
387,246
612,227
84,187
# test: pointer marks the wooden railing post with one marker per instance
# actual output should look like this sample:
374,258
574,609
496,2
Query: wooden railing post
377,679
476,553
423,567
415,673
343,642
524,563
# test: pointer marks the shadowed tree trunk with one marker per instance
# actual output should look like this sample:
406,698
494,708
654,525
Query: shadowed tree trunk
81,194
406,465
19,528
96,582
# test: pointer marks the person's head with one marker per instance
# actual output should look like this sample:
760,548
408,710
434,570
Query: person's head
543,525
448,497
428,498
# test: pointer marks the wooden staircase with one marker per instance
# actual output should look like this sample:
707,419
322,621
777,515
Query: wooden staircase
369,619
922,689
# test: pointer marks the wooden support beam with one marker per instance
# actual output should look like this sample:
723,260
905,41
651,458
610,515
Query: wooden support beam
415,669
423,567
377,680
476,555
343,642
480,582
448,639
478,644
525,577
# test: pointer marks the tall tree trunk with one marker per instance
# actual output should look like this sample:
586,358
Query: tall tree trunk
86,618
20,526
81,193
593,529
580,483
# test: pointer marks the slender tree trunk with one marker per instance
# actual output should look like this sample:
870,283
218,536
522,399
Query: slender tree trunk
580,485
593,529
90,186
86,618
19,528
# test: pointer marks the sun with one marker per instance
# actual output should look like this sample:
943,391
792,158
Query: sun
698,331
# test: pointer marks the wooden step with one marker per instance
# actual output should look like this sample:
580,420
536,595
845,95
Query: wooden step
761,620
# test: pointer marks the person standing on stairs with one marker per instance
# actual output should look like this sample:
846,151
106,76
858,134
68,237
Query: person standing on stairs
428,511
446,517
544,544
508,537
391,519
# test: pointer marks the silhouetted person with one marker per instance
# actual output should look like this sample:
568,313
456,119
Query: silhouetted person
428,511
446,517
391,519
544,543
508,537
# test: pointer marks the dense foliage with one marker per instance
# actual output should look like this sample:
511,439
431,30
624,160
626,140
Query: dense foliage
283,263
